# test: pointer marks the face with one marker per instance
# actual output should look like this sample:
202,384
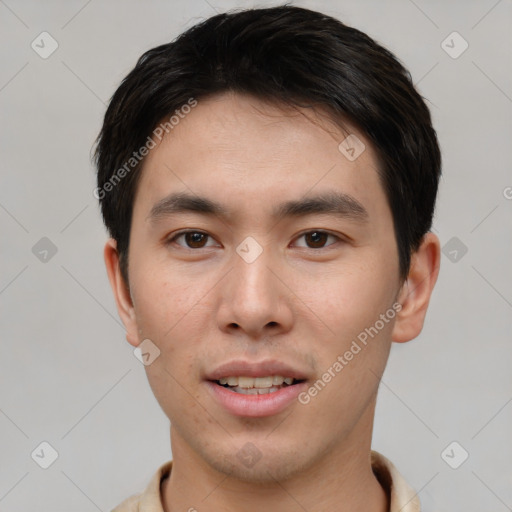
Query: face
281,258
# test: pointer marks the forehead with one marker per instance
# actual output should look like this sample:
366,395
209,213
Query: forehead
247,153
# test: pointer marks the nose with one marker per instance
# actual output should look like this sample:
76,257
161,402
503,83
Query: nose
255,299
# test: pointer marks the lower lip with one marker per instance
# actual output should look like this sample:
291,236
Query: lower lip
256,405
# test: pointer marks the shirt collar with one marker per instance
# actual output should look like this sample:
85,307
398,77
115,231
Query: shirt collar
401,496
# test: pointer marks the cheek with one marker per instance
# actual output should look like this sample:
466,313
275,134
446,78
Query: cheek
173,377
352,299
353,358
170,309
166,299
175,396
351,304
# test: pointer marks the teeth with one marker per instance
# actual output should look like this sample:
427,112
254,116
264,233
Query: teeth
256,382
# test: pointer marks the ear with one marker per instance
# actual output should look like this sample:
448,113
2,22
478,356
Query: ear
417,289
121,291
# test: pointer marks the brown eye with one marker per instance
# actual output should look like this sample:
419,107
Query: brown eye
193,239
316,239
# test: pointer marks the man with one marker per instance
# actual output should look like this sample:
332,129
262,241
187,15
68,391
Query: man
268,180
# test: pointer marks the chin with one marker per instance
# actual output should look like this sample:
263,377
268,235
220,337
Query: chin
261,467
262,473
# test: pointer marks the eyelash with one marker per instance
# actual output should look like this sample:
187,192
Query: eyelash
185,232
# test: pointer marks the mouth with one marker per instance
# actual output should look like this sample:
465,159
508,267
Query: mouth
255,389
257,385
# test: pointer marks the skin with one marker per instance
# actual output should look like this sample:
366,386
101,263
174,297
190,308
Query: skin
303,305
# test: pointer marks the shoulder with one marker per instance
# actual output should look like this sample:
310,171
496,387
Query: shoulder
149,500
402,496
130,504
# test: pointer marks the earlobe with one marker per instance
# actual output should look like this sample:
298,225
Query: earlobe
417,289
121,292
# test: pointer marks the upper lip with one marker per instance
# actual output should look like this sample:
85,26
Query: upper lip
266,368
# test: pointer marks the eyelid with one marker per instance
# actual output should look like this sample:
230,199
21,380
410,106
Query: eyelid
172,238
323,231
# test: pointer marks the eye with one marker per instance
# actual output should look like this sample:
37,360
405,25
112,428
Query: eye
317,239
193,239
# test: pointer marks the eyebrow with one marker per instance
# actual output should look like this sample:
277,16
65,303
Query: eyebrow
334,203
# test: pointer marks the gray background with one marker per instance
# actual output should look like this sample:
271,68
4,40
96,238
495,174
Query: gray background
67,375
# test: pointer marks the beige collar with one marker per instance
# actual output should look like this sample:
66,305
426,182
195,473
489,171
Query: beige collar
401,496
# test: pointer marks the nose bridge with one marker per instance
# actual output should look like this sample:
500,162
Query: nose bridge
252,275
253,298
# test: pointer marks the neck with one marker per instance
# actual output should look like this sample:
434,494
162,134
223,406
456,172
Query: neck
342,480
